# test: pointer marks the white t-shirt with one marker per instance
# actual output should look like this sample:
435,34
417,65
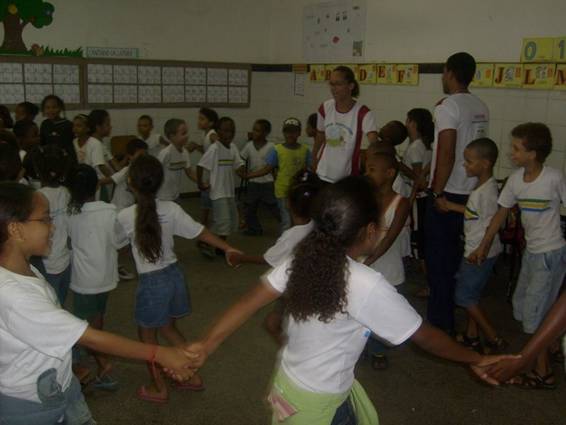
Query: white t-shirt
469,116
59,257
206,143
286,243
320,357
122,196
339,157
539,202
36,334
95,238
174,222
153,144
390,264
416,154
174,165
480,209
221,162
256,160
91,153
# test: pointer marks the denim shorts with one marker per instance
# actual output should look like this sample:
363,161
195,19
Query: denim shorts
538,286
470,281
224,216
205,202
56,406
60,283
162,295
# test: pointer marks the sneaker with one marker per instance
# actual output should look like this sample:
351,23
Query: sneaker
125,274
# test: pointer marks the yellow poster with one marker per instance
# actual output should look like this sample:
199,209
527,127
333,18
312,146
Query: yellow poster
407,74
367,74
560,80
386,74
483,76
331,67
538,75
507,75
316,73
537,50
560,49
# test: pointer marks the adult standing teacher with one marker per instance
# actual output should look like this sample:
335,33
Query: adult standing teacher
341,125
459,118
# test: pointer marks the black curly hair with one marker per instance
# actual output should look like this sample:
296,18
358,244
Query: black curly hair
318,273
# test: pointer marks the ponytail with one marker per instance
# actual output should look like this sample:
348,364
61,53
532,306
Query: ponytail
317,285
425,125
146,177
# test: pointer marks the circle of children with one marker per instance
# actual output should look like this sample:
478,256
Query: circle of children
67,213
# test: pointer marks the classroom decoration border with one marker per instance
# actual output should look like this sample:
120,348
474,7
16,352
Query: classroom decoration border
125,83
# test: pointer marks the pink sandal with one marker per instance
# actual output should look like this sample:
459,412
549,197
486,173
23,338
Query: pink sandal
142,394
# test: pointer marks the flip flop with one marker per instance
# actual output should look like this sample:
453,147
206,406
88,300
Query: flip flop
142,394
188,386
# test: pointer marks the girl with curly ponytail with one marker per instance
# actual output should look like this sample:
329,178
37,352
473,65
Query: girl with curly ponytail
333,302
162,296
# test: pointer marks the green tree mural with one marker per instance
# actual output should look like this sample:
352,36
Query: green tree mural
16,14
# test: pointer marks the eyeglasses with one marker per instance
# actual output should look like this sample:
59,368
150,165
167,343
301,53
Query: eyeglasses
44,220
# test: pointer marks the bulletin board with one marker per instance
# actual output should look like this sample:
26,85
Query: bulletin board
114,83
31,79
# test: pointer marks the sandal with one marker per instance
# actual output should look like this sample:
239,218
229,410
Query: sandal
379,362
557,356
534,381
473,343
105,383
188,386
142,394
496,346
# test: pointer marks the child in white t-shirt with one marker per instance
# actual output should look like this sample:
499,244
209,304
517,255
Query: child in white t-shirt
259,190
222,160
175,160
538,190
303,190
332,303
88,149
387,257
52,164
154,140
479,158
36,332
95,239
162,296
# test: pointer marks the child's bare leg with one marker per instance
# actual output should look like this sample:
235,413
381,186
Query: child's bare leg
472,328
477,315
102,360
542,366
157,386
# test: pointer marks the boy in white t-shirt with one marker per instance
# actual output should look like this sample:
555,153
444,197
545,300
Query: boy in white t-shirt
479,158
259,190
175,160
222,159
89,150
154,140
538,190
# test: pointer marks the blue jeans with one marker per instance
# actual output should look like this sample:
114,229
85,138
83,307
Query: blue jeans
345,414
471,281
285,215
60,282
56,407
256,194
443,253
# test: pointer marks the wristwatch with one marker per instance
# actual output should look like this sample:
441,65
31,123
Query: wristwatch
434,194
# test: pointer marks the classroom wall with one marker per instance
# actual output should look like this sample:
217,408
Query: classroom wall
259,31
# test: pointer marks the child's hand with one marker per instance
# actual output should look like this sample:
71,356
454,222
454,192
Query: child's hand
478,256
442,204
203,187
481,369
177,363
234,257
197,353
213,137
507,369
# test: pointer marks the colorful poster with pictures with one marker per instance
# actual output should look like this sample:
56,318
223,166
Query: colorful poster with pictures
406,74
560,78
334,30
537,49
538,75
507,75
483,76
386,74
367,74
317,73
